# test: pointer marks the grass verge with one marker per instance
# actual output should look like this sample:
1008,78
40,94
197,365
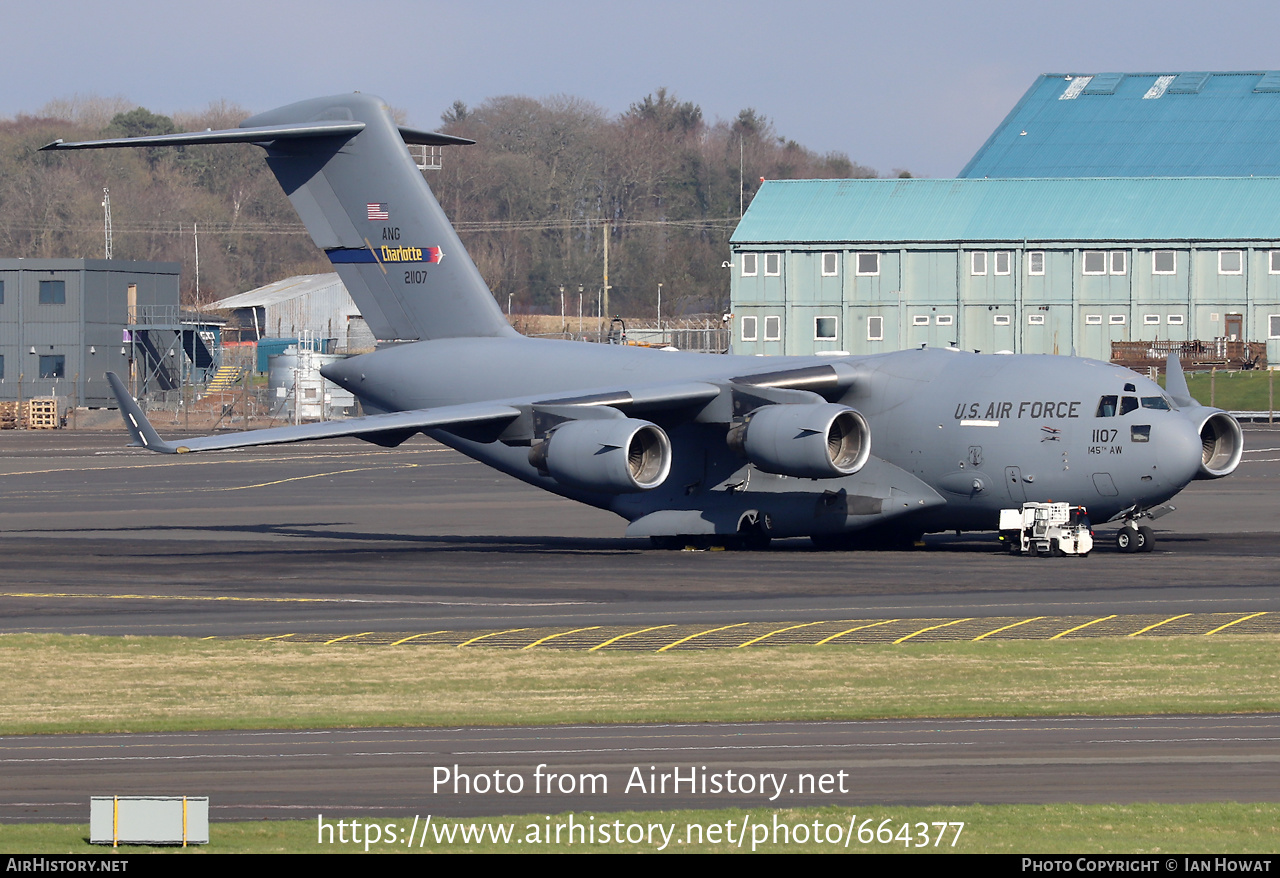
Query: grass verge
60,683
1233,391
1056,829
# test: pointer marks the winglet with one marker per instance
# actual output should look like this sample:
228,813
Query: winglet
144,435
1176,383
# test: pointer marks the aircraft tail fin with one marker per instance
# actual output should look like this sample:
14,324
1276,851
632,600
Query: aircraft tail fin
1175,383
343,163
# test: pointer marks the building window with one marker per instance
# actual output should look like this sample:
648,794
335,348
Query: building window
1095,262
1003,260
977,263
875,329
1119,262
868,264
1,367
1150,319
772,264
1035,262
1174,320
1,297
773,329
920,320
945,319
824,329
830,264
1003,320
1274,322
53,366
1230,262
53,292
1116,319
1093,320
1164,262
749,266
748,329
1274,262
1035,320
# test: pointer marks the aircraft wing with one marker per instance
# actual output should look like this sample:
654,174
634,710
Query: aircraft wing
391,428
491,417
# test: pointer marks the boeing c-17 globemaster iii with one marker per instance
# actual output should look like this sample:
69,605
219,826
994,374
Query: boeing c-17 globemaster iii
702,448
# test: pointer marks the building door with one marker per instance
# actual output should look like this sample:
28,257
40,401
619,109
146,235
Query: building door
1235,327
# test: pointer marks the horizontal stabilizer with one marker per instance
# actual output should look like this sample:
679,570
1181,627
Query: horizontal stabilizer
371,427
259,134
344,164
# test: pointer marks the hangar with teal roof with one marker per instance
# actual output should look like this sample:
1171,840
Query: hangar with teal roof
1049,263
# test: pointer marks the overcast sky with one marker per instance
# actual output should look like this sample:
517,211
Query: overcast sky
894,85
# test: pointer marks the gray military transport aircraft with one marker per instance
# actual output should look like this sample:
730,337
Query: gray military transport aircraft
696,447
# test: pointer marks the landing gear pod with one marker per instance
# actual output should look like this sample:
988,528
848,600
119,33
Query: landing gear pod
615,456
824,441
1223,443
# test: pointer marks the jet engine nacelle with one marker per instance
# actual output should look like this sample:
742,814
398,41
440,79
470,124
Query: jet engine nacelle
616,456
1223,443
821,441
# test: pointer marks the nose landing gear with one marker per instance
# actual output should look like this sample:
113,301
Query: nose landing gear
1133,537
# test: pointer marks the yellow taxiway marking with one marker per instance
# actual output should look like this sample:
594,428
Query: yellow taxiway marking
276,637
700,633
1006,628
491,634
779,631
930,628
340,472
1157,625
628,634
1078,627
204,459
561,634
345,637
1236,622
416,636
851,630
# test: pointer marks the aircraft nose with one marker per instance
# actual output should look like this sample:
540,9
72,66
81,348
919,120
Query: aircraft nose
1178,450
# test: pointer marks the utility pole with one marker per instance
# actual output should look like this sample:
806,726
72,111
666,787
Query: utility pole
606,269
195,234
106,215
659,307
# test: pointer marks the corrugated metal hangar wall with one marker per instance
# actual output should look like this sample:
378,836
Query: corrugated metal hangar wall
62,323
1052,264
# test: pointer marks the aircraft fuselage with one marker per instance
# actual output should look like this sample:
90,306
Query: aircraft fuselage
955,436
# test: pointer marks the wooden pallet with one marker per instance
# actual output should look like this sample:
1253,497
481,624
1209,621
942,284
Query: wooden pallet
42,414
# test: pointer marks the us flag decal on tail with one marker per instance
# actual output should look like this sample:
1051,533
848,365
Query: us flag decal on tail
377,211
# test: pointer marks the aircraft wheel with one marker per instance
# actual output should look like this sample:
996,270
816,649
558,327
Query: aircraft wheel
1127,539
1147,539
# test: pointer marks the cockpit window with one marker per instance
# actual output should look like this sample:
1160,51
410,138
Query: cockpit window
1155,402
1107,407
1129,388
1128,404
